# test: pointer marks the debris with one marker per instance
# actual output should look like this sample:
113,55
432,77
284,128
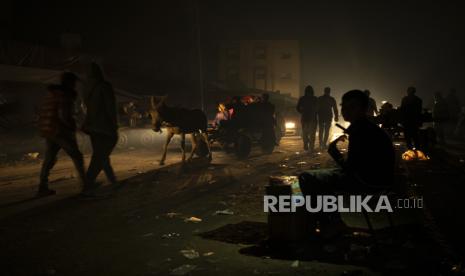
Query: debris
208,254
301,163
170,235
414,155
147,235
361,234
190,254
172,214
183,270
315,166
295,264
32,155
193,219
282,165
224,212
297,152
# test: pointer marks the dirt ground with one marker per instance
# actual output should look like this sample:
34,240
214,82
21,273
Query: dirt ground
146,228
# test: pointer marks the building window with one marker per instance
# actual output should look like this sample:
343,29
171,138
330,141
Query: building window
233,53
260,52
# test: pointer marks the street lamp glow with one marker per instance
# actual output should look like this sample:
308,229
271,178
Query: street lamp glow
290,125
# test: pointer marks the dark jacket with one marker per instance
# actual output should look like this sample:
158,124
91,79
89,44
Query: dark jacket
370,154
308,108
326,107
411,109
56,113
100,101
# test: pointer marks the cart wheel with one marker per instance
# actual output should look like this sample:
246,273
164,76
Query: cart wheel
242,146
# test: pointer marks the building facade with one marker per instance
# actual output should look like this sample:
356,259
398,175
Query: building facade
272,65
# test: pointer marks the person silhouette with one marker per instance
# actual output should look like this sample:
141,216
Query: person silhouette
307,107
326,108
411,118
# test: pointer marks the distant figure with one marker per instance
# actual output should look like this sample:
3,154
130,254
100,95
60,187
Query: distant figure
236,107
58,127
454,105
326,107
221,116
307,107
440,116
372,108
410,109
388,118
101,124
131,110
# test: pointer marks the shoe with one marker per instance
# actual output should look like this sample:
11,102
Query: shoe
45,192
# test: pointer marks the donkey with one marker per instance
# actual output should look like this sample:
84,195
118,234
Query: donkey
179,121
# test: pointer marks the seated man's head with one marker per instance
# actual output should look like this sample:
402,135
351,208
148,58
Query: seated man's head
411,91
354,105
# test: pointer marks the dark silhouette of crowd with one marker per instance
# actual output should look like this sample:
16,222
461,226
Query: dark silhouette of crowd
446,115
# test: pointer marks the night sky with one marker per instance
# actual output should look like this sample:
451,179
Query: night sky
384,46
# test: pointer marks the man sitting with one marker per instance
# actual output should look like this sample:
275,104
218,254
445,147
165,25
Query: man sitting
369,165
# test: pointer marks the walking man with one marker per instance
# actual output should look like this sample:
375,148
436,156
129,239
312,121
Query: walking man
100,124
307,107
411,108
58,127
326,108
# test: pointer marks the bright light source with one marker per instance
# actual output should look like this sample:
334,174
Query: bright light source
290,125
383,102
